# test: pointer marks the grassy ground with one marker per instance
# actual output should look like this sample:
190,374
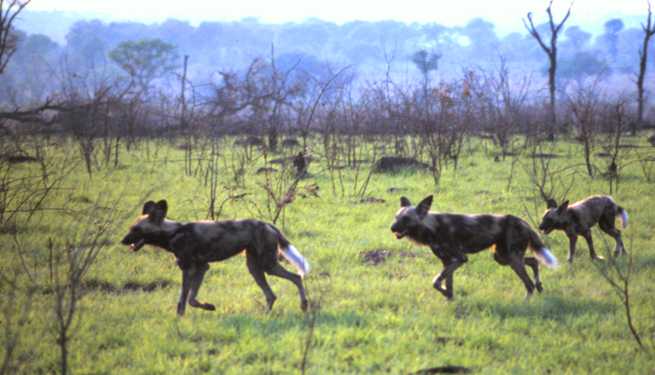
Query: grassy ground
374,317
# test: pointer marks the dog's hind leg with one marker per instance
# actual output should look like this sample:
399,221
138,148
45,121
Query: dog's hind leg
260,279
518,266
196,281
534,264
279,271
609,228
590,244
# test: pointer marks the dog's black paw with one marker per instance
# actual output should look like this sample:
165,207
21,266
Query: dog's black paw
304,306
270,303
209,307
445,292
539,287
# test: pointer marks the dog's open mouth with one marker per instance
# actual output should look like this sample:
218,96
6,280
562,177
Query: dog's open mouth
546,231
399,235
137,245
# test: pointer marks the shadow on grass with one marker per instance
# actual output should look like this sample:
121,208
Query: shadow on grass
548,307
644,262
275,323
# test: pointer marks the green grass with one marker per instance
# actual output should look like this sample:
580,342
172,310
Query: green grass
383,318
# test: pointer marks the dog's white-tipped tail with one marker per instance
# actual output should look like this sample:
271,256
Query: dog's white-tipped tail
293,256
624,218
547,258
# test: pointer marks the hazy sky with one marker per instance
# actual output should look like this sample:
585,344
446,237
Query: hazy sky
506,14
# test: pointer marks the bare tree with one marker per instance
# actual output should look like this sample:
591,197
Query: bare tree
16,306
649,30
551,52
614,128
9,10
584,106
68,264
618,276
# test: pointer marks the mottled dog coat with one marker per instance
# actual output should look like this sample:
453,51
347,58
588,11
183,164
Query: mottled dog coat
452,236
578,219
196,244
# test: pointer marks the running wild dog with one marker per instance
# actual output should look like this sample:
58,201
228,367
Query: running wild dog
198,243
578,219
452,236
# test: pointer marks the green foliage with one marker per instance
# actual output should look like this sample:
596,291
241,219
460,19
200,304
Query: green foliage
582,65
426,61
385,318
145,60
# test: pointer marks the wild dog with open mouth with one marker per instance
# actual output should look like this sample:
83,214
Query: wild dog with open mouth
452,236
578,219
197,243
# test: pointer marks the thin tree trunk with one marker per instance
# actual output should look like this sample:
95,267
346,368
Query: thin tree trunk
649,30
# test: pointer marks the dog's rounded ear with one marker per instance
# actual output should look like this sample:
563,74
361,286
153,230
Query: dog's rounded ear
404,202
563,207
424,207
148,207
551,203
163,206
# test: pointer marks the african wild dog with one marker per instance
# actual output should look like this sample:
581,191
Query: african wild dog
452,236
197,243
578,218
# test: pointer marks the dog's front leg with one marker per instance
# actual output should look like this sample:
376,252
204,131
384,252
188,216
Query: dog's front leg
196,281
445,261
450,265
573,238
590,244
184,293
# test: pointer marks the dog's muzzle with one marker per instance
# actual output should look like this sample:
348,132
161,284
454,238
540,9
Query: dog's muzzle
399,235
137,245
133,244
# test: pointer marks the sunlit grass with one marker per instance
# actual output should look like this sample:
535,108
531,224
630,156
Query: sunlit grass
373,319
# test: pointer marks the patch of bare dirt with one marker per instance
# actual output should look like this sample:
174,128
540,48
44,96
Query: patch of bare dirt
18,158
408,254
249,141
263,170
290,159
375,257
394,189
379,256
449,369
544,155
372,200
290,142
391,164
308,234
445,340
130,286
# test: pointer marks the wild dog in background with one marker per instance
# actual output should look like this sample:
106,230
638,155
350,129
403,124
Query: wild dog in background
452,236
578,219
197,243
